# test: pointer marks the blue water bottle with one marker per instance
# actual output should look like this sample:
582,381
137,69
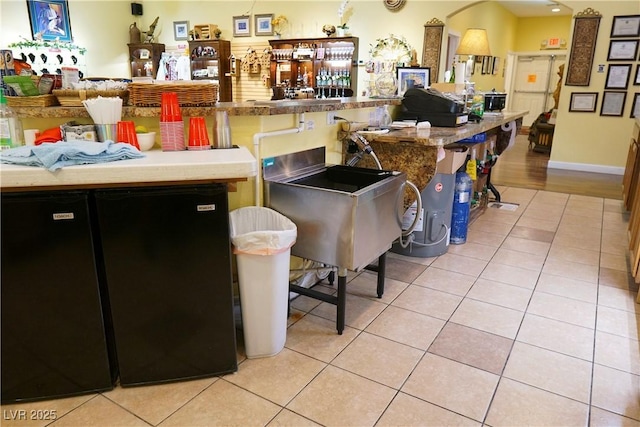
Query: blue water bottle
461,208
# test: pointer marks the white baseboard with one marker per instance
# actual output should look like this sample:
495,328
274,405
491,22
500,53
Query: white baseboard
584,167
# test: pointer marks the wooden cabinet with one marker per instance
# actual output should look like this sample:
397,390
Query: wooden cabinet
144,59
631,197
210,60
328,65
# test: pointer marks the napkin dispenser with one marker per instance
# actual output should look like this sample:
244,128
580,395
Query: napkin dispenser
428,104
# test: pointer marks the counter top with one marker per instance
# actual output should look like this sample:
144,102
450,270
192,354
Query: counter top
249,108
157,167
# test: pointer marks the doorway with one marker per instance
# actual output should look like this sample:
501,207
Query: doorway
530,80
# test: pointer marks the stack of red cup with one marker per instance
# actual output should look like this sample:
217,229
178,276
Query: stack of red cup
126,132
171,124
198,136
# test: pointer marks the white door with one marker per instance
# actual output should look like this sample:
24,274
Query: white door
533,80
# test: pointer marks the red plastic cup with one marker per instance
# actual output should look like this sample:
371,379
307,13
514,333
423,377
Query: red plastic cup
126,132
198,136
169,107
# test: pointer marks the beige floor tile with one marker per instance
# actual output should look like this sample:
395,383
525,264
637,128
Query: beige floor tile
614,242
339,398
611,205
317,337
618,322
460,264
224,404
532,234
501,294
488,317
600,417
617,278
416,260
403,270
615,262
617,352
569,288
517,404
365,286
393,323
278,378
578,201
473,250
472,347
616,391
154,403
617,221
519,259
445,281
580,233
586,255
286,418
582,217
502,216
564,309
621,299
522,195
410,411
359,311
96,412
552,213
428,301
19,414
525,245
452,385
577,241
478,235
306,304
550,371
511,275
492,227
379,359
572,270
537,223
549,198
557,336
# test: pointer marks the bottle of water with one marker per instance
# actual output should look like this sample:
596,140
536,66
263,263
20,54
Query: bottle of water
461,208
10,127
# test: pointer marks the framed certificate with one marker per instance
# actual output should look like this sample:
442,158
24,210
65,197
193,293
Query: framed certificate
613,103
584,102
622,50
618,76
635,107
626,26
636,80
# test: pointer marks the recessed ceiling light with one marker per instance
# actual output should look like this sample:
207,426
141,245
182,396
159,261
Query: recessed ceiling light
555,9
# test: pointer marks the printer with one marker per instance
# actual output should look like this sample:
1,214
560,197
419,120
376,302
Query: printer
430,105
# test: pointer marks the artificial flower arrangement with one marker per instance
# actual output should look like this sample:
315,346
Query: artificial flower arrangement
341,14
51,44
279,23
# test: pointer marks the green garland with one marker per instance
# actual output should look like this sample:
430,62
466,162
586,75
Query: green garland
391,43
47,44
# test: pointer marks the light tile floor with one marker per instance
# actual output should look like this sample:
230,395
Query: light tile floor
532,322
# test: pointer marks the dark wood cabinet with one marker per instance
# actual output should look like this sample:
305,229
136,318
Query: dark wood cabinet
144,59
210,60
328,65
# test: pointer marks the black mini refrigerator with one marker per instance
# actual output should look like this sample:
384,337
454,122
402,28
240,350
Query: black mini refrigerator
54,336
167,260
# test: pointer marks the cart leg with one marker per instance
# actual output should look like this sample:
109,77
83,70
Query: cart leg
342,299
382,265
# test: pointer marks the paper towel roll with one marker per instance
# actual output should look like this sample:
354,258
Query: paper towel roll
460,72
510,127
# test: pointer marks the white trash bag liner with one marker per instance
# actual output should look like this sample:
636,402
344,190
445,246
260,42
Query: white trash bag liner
261,231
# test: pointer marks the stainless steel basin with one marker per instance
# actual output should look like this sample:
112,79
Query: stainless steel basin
346,217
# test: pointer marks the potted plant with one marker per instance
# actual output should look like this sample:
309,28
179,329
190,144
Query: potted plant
342,28
279,24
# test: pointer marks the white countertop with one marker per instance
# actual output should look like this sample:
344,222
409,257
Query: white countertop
232,164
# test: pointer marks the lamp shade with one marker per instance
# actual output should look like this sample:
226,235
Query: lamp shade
474,42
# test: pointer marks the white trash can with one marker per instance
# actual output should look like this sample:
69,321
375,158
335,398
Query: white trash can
262,240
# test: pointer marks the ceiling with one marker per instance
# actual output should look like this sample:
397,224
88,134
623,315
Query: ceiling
533,8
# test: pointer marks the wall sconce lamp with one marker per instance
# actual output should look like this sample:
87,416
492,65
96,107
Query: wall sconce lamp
474,43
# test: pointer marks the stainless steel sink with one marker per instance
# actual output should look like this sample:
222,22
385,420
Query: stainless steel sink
346,217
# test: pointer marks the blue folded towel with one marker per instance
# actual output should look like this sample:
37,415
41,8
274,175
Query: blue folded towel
54,156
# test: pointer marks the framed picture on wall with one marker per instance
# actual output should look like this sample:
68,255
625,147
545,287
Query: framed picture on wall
626,26
583,102
263,24
180,30
613,103
241,26
636,80
618,76
49,20
418,77
635,107
622,50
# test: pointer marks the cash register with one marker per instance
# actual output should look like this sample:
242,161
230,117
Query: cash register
428,104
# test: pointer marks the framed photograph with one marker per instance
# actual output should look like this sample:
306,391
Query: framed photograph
181,30
636,80
618,76
486,64
583,102
613,103
635,107
622,50
241,26
408,78
496,65
50,20
626,26
263,24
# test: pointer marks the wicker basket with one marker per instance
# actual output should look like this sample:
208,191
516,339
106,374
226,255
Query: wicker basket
190,94
74,98
32,101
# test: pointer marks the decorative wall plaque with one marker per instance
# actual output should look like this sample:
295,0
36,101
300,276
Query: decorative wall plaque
583,45
432,46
